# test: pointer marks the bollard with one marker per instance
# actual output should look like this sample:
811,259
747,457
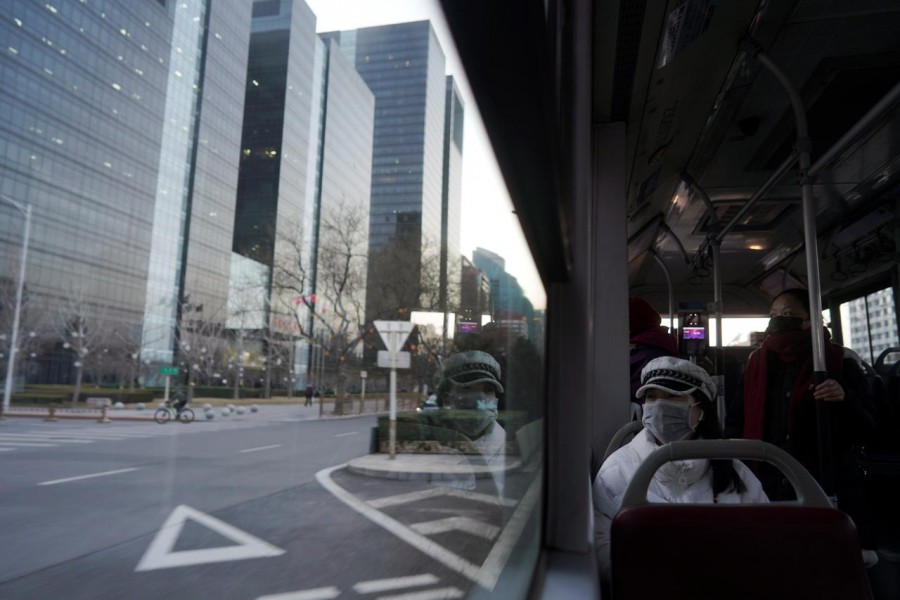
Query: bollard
51,416
103,417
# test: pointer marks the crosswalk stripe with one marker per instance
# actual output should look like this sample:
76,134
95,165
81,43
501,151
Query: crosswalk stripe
27,444
394,583
34,438
436,594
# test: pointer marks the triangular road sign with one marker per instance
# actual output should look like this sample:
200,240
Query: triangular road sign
393,333
160,555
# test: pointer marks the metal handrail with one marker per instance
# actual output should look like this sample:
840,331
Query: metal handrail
809,493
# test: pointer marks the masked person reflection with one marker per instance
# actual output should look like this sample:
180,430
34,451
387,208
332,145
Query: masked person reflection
467,395
777,399
678,406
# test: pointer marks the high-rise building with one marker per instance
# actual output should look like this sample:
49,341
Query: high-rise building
451,196
306,161
510,308
872,324
117,127
412,173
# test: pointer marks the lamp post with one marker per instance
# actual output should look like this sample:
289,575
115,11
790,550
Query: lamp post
25,209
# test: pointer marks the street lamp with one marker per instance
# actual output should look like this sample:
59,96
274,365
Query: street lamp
25,209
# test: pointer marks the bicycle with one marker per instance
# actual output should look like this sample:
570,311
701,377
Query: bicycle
166,413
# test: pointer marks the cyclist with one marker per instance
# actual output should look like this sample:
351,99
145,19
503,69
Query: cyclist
178,401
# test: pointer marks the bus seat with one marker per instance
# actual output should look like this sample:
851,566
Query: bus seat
624,435
804,549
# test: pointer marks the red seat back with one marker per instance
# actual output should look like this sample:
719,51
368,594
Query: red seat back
742,551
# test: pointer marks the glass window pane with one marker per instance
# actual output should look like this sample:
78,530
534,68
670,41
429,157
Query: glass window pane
869,324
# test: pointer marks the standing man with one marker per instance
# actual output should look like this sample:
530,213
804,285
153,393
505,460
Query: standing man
309,394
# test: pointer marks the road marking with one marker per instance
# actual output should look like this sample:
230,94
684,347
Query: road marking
91,476
346,434
447,592
466,524
261,448
416,540
27,444
496,561
325,593
394,583
440,491
159,554
7,449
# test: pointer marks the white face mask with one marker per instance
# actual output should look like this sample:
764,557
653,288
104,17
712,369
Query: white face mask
668,420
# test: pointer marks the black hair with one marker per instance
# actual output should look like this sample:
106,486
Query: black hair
725,478
801,295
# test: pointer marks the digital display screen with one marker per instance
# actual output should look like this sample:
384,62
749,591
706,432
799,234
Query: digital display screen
468,327
694,333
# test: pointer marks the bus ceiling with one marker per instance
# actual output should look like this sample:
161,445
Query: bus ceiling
686,78
709,129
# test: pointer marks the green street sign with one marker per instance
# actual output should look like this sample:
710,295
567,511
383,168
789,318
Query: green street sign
168,370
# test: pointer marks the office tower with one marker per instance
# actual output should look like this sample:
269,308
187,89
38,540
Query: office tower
116,127
403,65
475,297
306,156
451,195
510,308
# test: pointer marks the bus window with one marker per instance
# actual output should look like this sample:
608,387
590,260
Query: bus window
869,324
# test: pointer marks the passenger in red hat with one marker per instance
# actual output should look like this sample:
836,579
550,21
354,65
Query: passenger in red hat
648,338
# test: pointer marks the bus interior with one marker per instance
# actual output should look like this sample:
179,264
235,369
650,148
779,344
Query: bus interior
704,156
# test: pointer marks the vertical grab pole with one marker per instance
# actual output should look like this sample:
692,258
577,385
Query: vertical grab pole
715,245
823,421
669,288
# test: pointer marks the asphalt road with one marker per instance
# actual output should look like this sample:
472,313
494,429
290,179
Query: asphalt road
257,510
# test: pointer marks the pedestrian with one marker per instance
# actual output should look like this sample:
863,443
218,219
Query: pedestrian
309,395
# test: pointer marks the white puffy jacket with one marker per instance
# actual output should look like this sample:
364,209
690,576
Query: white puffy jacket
683,482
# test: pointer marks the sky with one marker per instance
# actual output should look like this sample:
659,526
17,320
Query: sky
487,217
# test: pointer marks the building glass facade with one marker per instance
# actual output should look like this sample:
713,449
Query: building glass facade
101,113
403,65
451,198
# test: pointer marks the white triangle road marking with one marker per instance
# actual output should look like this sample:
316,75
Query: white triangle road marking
326,593
159,554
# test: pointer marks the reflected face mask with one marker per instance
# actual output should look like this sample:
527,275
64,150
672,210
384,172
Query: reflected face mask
779,325
668,420
477,410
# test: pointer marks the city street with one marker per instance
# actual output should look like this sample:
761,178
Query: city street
242,509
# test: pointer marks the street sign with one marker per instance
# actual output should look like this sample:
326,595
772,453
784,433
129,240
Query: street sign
401,360
393,333
168,370
363,374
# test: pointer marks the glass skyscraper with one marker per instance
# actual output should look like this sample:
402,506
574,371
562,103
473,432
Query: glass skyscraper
115,126
306,154
403,65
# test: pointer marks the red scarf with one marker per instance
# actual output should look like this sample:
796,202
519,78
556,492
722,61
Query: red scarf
788,347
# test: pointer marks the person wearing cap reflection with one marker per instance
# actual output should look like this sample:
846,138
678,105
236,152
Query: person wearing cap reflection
470,385
678,405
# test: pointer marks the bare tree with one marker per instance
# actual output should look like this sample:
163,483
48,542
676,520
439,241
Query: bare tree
335,307
31,325
84,329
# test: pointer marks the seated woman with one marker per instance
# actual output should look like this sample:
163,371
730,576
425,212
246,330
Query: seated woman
678,405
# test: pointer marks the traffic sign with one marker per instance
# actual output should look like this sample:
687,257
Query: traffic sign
170,370
363,374
400,360
393,333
